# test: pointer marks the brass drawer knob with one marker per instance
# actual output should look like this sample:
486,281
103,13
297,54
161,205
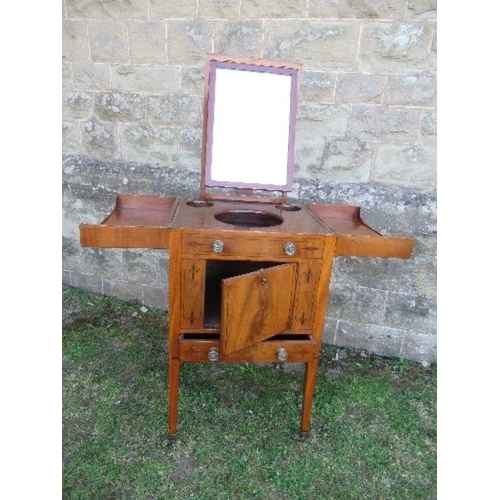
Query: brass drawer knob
218,246
213,354
290,248
282,354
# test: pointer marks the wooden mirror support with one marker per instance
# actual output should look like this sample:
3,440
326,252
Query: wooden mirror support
249,127
249,275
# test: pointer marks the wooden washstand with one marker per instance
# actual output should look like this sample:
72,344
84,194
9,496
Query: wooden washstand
249,273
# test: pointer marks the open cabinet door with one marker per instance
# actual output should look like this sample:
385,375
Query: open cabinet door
256,306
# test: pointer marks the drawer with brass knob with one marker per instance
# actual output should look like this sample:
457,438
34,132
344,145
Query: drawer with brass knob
231,245
290,348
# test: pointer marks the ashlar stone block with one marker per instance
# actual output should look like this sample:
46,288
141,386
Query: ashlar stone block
193,80
428,127
377,339
67,76
155,297
172,9
411,312
104,262
70,136
119,107
110,9
384,124
76,104
339,160
190,148
357,304
322,120
75,42
382,273
71,255
411,166
78,209
346,161
99,139
388,47
326,45
146,143
91,76
108,41
188,42
411,90
425,263
163,267
219,9
86,281
238,38
422,9
357,9
147,42
308,154
358,88
140,78
258,9
140,267
174,111
123,290
419,347
317,86
330,330
432,61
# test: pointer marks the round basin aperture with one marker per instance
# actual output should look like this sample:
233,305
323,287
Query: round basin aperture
248,218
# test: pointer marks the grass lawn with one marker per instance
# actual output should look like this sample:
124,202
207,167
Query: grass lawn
373,430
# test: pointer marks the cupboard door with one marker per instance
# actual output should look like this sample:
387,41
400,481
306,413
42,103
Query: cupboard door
256,306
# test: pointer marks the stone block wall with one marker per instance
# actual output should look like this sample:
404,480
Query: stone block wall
133,79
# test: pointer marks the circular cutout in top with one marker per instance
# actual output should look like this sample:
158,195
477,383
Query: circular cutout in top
248,218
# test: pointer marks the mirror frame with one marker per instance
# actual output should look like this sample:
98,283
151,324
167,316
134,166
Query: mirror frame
244,189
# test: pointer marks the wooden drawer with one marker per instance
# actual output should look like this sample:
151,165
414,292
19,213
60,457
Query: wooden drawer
252,245
299,350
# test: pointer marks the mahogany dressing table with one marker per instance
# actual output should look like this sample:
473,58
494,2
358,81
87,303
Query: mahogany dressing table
249,272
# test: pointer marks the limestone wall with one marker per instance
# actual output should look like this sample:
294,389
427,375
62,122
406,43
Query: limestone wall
366,135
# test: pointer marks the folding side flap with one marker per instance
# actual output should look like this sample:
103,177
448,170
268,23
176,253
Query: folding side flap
256,306
136,222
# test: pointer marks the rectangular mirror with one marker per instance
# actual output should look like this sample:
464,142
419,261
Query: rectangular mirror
249,123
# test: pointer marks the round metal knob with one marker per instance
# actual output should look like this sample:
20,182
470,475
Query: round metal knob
213,354
290,248
218,246
282,354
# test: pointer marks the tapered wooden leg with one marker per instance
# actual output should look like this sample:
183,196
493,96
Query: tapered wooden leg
309,381
173,396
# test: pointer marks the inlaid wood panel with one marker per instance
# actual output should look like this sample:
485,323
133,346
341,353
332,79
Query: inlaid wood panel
193,291
306,295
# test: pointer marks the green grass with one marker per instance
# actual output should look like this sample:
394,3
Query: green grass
373,423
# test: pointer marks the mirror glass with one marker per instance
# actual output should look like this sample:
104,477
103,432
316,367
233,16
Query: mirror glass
250,126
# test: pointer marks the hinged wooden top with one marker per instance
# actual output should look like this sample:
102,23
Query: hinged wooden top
269,218
146,222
